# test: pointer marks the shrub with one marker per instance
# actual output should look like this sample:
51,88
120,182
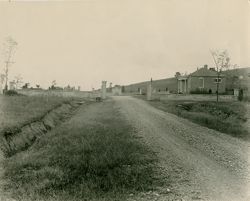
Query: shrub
199,91
11,93
240,97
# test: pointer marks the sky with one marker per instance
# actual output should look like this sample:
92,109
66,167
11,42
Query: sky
84,42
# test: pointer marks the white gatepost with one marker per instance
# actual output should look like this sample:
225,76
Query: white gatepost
140,91
149,91
104,90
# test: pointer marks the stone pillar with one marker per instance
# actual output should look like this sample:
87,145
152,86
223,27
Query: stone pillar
104,90
110,87
92,93
149,91
178,87
185,89
181,86
12,85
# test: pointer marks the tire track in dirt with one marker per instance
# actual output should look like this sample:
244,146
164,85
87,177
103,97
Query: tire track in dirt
201,163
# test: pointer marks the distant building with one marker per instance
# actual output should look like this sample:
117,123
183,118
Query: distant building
168,85
205,80
117,90
69,88
12,86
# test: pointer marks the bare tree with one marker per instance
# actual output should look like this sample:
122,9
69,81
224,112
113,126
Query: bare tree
222,62
9,49
2,78
53,84
1,82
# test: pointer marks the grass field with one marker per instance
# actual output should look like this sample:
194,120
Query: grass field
226,117
18,110
86,158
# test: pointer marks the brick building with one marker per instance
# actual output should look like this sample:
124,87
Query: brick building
205,80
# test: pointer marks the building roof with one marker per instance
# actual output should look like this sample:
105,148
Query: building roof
205,72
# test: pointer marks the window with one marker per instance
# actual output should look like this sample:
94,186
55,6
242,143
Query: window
201,83
217,80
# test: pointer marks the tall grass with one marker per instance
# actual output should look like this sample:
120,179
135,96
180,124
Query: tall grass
226,117
83,160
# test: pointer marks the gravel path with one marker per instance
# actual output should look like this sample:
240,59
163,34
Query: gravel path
202,164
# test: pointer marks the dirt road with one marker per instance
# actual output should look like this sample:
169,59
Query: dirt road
202,164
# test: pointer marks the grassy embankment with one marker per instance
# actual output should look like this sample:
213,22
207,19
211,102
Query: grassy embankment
16,111
93,156
226,117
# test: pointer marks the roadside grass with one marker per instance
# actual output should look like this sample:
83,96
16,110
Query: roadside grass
83,160
18,110
226,117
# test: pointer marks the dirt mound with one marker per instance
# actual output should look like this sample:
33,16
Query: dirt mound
20,139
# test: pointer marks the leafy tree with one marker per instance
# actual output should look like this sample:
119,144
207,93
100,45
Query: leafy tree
26,86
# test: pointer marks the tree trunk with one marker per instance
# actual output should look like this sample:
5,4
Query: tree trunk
217,85
217,92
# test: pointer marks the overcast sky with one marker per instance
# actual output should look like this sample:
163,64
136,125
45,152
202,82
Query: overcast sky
121,41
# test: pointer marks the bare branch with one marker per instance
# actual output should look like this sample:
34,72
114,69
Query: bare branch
9,50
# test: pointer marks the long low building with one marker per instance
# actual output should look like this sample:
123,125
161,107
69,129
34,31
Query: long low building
203,80
163,85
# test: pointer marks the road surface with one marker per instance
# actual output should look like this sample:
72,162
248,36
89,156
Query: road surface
202,164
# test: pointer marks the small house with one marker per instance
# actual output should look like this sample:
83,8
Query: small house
203,80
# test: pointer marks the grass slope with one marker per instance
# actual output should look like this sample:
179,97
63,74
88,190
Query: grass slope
18,110
94,156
